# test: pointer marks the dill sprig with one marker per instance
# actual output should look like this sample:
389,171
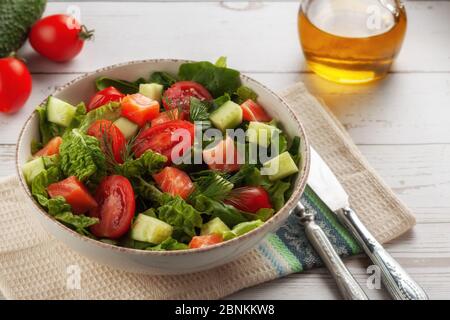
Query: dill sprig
211,184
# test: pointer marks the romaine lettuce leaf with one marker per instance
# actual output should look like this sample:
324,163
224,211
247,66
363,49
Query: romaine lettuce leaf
82,157
147,163
181,215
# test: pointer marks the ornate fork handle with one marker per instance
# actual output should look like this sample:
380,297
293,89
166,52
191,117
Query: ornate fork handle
347,285
397,281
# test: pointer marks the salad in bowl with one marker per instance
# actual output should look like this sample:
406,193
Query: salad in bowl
178,161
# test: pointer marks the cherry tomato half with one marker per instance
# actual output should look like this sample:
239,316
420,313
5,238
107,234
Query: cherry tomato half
139,108
167,116
163,138
249,199
174,181
110,137
223,157
59,37
251,111
116,206
178,96
51,148
15,84
103,97
75,193
204,241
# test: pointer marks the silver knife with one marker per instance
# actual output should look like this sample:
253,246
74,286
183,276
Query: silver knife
325,184
347,285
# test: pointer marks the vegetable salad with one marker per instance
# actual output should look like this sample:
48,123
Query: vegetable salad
157,164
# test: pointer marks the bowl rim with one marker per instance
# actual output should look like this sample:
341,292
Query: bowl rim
285,210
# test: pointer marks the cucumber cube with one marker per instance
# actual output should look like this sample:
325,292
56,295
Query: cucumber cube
260,133
228,116
127,127
32,168
149,229
280,167
245,227
60,112
151,90
214,226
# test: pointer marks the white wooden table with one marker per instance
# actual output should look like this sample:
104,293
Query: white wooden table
402,124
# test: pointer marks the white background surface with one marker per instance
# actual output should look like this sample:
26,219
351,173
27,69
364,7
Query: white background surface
401,124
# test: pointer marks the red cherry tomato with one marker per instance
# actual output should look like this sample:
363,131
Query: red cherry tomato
139,108
167,116
116,206
174,181
251,111
75,194
15,84
103,97
249,199
59,37
204,241
163,138
110,137
179,94
223,157
51,148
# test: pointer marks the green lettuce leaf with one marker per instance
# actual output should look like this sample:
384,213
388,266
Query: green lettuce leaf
147,190
218,80
162,78
82,157
147,163
78,222
126,87
243,93
110,111
169,244
228,214
181,215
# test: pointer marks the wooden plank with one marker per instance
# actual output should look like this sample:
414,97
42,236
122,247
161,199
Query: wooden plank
267,43
433,276
402,109
418,174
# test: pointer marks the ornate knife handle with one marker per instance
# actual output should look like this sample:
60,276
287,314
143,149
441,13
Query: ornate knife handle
348,286
397,281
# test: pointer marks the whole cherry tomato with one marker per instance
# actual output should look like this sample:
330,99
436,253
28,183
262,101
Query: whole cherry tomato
59,37
15,84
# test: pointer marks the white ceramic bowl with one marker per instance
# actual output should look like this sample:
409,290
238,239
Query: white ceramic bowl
161,262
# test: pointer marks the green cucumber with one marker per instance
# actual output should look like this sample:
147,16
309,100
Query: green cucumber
280,167
260,133
241,228
17,17
245,227
32,168
227,116
60,112
127,127
149,229
151,90
214,226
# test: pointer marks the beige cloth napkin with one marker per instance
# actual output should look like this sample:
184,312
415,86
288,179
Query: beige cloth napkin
33,265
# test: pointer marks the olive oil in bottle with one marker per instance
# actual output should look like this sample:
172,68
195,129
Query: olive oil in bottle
351,41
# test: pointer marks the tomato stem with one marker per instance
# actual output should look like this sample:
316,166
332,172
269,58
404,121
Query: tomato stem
85,33
16,56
